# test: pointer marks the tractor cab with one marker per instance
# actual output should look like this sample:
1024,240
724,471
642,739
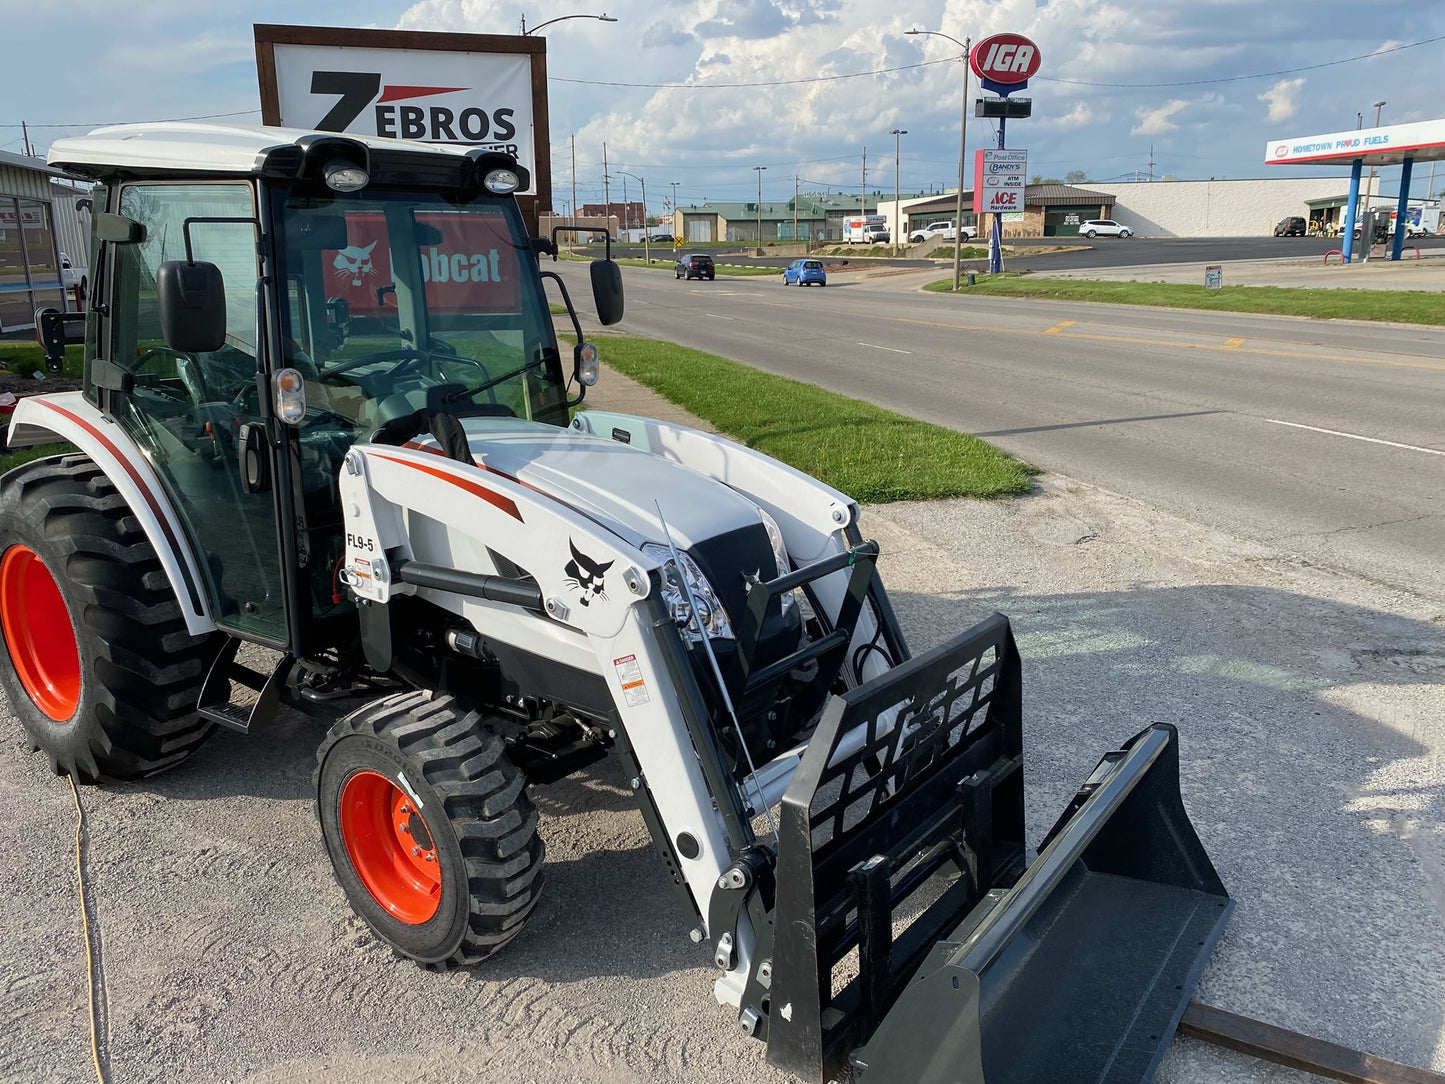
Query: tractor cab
268,299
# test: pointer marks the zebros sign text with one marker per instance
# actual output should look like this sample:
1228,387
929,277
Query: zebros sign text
474,89
1005,60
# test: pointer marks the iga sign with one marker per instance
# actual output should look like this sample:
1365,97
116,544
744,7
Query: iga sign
999,180
474,89
1005,62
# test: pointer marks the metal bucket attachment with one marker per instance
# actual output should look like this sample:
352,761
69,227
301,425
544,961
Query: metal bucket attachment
1081,971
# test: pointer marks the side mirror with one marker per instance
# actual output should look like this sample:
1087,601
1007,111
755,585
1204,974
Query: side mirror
192,302
118,229
607,290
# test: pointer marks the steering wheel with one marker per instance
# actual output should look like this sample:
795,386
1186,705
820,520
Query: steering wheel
406,357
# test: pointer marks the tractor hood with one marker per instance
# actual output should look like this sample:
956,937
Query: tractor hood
613,483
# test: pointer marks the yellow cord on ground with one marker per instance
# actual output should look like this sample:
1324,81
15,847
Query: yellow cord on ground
100,1073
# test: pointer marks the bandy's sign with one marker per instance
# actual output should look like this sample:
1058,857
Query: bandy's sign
1005,62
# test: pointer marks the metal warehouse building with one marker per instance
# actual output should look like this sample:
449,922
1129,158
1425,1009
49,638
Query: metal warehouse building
39,219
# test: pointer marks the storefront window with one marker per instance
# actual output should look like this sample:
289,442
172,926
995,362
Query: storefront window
29,267
15,307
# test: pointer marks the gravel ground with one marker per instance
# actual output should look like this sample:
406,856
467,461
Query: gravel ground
1310,707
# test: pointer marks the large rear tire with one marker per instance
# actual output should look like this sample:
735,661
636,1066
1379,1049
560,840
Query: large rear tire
95,658
429,828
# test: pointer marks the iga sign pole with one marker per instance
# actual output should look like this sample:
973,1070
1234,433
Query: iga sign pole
1003,63
483,90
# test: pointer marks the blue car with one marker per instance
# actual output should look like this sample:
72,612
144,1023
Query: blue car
805,273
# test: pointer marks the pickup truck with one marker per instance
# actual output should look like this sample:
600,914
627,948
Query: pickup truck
72,276
941,230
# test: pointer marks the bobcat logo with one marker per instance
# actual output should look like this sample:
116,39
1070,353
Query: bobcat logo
353,262
585,574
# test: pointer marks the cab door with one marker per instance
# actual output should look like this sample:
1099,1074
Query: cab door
186,410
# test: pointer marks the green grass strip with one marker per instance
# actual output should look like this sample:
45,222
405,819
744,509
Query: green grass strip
871,454
1400,306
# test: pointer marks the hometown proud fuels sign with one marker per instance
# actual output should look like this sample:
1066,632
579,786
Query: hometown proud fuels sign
477,89
999,180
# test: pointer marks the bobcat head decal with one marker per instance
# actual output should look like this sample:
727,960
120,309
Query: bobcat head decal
585,575
354,262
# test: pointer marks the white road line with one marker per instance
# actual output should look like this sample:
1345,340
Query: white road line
715,316
888,348
1356,436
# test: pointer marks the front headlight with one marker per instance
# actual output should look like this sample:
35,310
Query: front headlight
780,555
711,615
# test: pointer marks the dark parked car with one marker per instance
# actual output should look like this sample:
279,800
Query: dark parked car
695,266
1294,226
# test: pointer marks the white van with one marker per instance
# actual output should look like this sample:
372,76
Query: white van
866,229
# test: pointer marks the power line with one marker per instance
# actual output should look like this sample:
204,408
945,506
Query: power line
1241,78
760,83
111,123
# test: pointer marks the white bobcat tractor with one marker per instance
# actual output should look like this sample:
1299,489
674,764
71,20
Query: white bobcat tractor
325,412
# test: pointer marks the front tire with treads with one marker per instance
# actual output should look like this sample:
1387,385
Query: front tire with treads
95,658
429,828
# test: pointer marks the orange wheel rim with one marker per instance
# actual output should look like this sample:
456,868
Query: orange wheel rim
390,847
39,633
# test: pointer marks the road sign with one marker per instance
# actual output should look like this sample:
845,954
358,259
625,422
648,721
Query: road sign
677,242
1001,178
1214,277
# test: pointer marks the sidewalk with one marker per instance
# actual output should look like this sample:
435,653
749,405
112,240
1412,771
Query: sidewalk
1427,273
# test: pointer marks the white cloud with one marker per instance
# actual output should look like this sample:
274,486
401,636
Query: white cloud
1159,120
1282,99
1081,116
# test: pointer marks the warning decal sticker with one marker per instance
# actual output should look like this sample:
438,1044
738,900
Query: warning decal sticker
629,675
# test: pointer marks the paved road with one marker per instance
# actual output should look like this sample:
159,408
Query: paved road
1100,252
1325,436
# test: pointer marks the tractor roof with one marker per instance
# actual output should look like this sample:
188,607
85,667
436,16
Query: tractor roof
187,147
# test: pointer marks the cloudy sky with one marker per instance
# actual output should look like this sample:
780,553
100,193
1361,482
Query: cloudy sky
698,92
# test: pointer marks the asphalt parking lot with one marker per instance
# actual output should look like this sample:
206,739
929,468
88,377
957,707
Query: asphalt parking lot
1312,712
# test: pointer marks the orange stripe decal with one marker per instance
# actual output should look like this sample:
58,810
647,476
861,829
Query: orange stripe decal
506,504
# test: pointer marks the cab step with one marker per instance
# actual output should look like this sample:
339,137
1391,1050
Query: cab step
239,696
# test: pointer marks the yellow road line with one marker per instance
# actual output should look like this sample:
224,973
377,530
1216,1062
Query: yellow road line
1059,327
1233,344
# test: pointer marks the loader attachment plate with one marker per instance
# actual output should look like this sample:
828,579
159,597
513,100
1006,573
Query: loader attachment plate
908,931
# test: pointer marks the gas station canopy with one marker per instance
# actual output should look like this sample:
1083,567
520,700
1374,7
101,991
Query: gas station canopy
1423,141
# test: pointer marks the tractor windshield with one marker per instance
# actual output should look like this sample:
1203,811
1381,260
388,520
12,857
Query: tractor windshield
394,301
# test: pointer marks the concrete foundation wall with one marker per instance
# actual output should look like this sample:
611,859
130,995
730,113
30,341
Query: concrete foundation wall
1244,208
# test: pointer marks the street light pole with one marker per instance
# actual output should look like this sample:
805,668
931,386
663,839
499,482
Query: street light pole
646,234
897,134
603,18
759,171
967,44
676,221
1370,185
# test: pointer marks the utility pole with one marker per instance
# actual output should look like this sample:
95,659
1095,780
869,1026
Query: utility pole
759,170
862,196
573,234
625,223
676,221
897,134
606,193
1151,162
25,135
795,208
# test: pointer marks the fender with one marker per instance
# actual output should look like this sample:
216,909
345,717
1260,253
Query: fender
40,419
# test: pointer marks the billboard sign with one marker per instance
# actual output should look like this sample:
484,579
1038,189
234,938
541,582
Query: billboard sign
999,181
478,90
1005,62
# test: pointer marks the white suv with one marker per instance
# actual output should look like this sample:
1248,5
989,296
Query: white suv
1104,227
942,230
